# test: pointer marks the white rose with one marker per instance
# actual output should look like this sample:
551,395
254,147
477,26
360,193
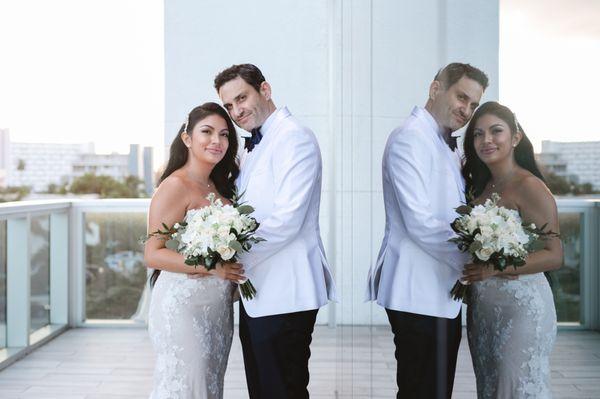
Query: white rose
226,218
223,231
483,220
469,224
226,252
477,210
486,232
484,253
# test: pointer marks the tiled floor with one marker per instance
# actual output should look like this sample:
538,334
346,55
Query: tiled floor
349,362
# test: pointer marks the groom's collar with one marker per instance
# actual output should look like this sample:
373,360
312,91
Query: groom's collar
441,132
269,122
273,119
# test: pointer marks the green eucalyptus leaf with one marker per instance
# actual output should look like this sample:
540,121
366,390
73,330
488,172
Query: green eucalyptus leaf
210,262
245,209
236,246
172,245
501,263
536,245
475,246
464,210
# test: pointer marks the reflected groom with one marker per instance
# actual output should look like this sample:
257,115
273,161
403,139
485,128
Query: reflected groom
417,266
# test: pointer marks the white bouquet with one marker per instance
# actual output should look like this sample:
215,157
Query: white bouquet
212,234
494,235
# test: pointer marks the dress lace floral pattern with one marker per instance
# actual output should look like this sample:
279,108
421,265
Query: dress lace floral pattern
511,326
191,328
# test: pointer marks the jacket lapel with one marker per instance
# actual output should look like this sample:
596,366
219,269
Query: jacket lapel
450,157
253,158
454,165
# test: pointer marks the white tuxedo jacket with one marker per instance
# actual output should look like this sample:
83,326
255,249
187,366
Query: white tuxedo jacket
281,179
422,185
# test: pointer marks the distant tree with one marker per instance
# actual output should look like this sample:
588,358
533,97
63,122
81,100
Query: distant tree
557,184
14,193
562,186
54,188
107,187
582,189
135,184
21,164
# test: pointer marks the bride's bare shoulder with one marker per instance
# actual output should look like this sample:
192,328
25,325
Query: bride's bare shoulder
532,191
172,188
173,183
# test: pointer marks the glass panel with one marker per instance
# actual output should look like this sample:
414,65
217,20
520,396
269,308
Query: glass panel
40,272
115,271
2,283
566,280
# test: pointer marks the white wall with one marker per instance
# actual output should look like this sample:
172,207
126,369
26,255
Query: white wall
352,71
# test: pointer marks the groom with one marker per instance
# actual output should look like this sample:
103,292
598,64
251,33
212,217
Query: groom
281,178
417,266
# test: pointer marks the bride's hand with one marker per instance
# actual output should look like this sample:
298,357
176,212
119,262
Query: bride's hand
508,276
198,272
229,271
478,272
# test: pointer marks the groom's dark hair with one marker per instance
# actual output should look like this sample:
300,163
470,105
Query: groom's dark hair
250,73
452,73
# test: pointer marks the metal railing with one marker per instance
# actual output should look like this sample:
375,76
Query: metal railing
78,263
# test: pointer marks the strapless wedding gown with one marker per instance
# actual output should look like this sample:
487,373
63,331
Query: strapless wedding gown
191,328
511,326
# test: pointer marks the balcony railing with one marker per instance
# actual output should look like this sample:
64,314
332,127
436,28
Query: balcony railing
79,263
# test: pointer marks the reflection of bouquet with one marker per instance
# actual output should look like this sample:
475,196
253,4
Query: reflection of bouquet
496,235
212,234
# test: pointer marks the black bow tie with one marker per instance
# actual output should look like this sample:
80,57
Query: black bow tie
252,141
451,141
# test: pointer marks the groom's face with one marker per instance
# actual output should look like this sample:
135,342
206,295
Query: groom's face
452,107
247,107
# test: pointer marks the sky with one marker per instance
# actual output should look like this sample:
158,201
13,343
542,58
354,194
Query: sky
549,67
92,70
82,71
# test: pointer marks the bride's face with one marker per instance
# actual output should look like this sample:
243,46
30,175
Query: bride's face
493,140
209,139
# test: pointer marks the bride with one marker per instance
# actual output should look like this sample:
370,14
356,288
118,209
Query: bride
191,319
511,323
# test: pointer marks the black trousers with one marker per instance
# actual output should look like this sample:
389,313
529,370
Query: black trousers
426,351
276,350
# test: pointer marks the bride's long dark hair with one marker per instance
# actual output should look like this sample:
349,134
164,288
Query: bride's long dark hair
475,171
223,174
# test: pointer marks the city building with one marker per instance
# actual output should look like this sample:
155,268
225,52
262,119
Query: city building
113,165
37,165
579,162
148,170
141,164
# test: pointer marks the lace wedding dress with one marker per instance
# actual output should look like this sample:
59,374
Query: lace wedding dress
191,328
511,327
